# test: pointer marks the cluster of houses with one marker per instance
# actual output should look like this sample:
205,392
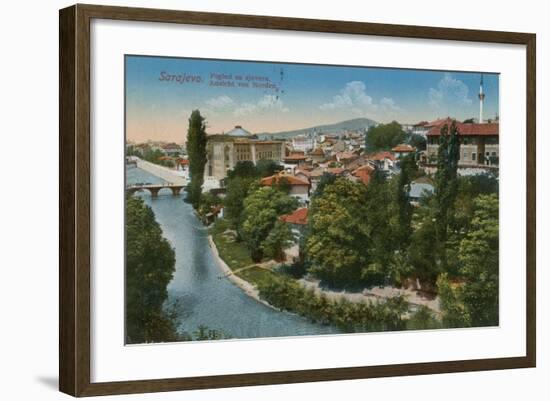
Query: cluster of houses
304,159
166,148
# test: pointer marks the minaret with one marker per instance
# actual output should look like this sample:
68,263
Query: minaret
481,98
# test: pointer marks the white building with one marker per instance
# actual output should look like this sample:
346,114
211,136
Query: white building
305,143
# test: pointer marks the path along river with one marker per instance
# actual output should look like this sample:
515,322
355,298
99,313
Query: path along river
204,296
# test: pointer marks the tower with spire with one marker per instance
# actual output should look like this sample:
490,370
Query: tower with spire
481,98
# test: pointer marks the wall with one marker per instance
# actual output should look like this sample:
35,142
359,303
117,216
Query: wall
28,213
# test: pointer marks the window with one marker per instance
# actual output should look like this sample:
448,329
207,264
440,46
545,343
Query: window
473,156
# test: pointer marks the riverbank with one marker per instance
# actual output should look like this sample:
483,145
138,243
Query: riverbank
247,287
376,293
161,172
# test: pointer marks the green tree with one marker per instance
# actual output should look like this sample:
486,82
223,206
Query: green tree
267,168
150,264
423,319
381,210
196,149
243,169
283,185
470,188
337,245
475,301
453,312
422,253
384,136
237,189
478,255
418,141
262,208
278,239
325,180
404,207
207,202
446,186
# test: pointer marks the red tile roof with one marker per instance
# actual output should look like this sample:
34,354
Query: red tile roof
402,148
468,129
364,173
380,156
437,122
275,179
171,146
295,157
345,155
335,170
307,173
318,172
317,152
299,216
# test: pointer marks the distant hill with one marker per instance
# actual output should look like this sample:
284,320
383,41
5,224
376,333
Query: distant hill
352,125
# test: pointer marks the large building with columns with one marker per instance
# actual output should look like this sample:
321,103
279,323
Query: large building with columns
226,150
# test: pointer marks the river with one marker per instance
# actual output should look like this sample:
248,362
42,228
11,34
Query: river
202,295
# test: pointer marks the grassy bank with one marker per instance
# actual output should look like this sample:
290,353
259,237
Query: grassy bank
236,255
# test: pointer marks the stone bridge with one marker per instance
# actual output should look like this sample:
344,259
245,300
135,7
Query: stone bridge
155,188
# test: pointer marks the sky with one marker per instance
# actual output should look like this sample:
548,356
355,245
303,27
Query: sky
161,93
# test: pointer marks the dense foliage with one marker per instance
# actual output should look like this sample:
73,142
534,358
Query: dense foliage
261,211
287,294
338,233
474,300
417,141
242,180
149,268
196,149
384,136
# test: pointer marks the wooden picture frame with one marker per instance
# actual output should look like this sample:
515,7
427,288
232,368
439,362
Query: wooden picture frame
75,201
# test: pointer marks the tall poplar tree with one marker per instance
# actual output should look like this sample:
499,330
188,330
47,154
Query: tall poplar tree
196,149
446,186
405,210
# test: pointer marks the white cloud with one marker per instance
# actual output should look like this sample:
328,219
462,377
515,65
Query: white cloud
220,102
354,97
270,103
388,104
449,90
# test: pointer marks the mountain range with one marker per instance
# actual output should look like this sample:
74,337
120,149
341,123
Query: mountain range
351,125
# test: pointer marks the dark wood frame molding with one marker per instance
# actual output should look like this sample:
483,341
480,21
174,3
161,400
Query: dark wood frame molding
74,199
